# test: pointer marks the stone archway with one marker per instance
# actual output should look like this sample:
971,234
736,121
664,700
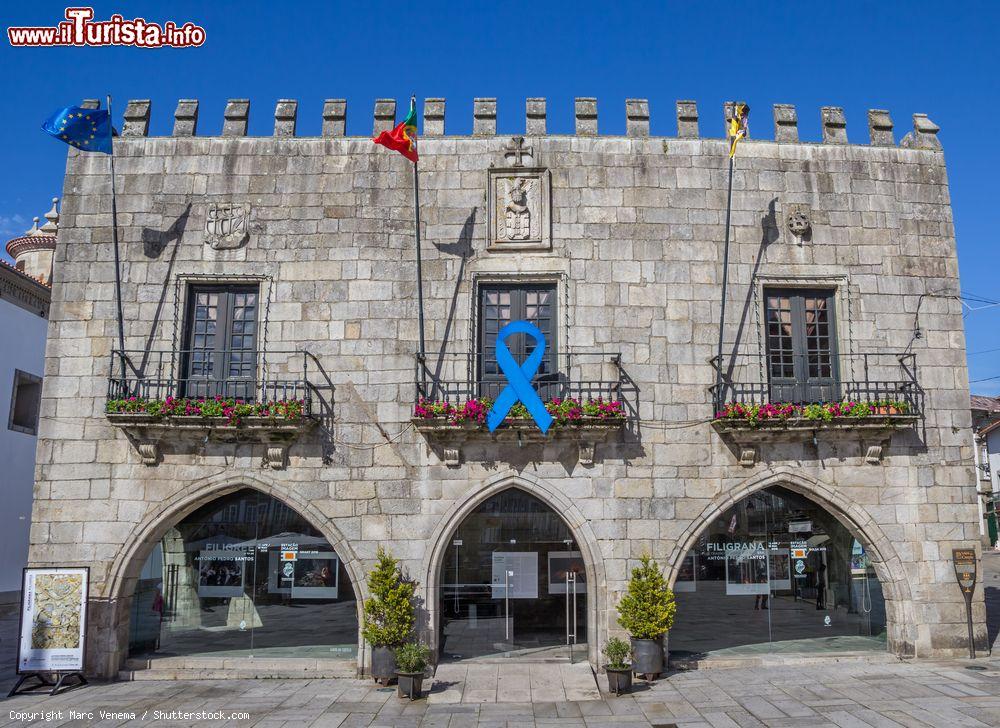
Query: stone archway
562,506
113,621
884,559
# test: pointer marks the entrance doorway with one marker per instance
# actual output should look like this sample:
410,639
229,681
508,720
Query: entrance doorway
776,573
244,576
513,585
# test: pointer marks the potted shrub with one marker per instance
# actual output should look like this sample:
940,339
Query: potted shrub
411,661
619,667
647,612
388,615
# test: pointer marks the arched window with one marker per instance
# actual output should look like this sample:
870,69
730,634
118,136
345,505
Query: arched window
244,575
777,573
513,584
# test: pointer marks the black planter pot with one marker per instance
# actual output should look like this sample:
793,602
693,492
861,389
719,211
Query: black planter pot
647,658
383,665
619,681
409,685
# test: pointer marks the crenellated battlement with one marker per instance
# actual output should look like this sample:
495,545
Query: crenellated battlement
484,113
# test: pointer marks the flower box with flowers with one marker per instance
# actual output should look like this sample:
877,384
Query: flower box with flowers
583,423
569,414
770,417
208,413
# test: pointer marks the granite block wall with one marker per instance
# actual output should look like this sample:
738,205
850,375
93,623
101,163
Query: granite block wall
635,248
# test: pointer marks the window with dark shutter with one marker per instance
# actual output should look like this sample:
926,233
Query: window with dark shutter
801,346
499,304
25,403
221,353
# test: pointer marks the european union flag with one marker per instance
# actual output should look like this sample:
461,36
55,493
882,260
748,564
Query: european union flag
88,130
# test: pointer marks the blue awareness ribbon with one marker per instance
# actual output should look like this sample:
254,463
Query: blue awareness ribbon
519,378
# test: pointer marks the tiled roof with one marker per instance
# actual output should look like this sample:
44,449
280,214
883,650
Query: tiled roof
21,273
984,403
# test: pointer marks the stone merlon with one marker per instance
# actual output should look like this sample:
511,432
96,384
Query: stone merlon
137,114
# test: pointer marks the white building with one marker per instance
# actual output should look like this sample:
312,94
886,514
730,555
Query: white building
986,446
25,292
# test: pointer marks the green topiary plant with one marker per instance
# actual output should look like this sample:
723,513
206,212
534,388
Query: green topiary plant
412,657
619,653
647,609
389,613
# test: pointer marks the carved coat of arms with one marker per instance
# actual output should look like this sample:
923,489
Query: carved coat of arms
227,225
516,224
519,208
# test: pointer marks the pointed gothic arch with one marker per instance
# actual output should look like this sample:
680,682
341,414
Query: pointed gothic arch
563,506
123,574
886,562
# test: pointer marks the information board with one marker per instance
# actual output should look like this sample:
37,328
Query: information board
53,620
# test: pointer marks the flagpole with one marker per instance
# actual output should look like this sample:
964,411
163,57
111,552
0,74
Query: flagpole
725,277
114,238
420,275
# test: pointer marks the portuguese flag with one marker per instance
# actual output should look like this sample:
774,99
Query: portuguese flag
403,138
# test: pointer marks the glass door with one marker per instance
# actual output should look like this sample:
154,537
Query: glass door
513,584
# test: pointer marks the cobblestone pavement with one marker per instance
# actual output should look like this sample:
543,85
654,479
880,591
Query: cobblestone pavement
817,695
848,695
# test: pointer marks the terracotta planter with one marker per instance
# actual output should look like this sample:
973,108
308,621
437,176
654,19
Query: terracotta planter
889,410
647,658
619,680
383,665
410,685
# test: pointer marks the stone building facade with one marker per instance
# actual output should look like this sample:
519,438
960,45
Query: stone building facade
620,240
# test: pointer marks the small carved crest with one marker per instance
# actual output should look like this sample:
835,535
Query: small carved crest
798,221
227,225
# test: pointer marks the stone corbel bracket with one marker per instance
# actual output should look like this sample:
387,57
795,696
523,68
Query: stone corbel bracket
149,451
147,434
874,451
276,456
451,443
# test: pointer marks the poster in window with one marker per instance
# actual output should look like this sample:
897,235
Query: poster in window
221,573
315,575
561,563
687,578
780,568
53,620
746,571
515,575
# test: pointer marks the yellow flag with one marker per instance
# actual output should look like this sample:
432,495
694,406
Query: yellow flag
738,126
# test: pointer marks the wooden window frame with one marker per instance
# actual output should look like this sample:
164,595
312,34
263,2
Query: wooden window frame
490,384
220,383
802,387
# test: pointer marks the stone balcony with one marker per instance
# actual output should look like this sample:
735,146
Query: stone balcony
271,405
599,405
868,398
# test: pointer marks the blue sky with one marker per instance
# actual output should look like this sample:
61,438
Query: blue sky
931,57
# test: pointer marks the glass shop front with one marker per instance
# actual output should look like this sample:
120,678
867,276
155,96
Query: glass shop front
513,585
244,575
777,573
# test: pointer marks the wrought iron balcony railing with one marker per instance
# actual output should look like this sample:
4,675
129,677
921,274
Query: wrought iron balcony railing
249,376
457,378
872,378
